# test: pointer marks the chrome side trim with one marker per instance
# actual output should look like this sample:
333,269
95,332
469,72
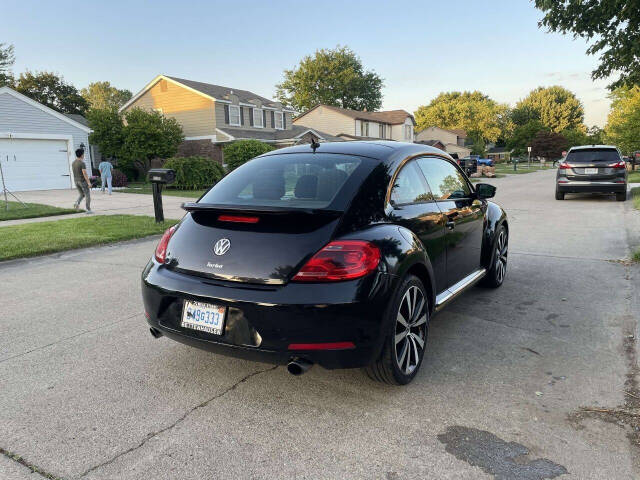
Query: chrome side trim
452,292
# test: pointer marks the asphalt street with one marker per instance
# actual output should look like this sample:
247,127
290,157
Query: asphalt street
86,392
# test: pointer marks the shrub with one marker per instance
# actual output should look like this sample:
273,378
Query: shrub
240,152
119,179
193,173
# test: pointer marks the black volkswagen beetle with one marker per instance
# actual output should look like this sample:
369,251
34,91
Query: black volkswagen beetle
336,254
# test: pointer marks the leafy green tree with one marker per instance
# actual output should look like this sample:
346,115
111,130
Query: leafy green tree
612,26
595,136
575,137
523,135
556,107
548,145
480,116
623,123
107,127
102,95
240,152
148,135
332,77
52,91
7,59
523,114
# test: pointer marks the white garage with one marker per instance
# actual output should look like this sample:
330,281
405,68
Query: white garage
37,144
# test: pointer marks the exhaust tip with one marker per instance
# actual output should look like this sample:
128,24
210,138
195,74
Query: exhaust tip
155,333
298,366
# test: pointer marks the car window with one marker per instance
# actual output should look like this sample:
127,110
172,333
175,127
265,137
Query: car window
593,155
444,179
409,186
292,180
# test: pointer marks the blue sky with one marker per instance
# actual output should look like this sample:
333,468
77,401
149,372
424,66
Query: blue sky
419,48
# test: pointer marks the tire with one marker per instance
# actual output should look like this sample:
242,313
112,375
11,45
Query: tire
621,197
559,195
408,320
496,274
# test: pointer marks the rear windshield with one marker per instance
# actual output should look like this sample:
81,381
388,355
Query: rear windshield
302,180
593,155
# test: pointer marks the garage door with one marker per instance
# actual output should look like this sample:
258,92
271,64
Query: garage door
30,164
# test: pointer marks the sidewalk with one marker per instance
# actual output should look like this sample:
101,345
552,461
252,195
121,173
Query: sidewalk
101,204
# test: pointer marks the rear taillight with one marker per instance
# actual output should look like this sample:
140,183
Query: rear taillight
619,164
564,166
161,249
238,219
340,260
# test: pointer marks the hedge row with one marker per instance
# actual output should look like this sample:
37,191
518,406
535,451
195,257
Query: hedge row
193,173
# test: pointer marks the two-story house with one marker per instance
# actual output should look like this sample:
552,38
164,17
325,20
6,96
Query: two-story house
212,115
454,140
356,125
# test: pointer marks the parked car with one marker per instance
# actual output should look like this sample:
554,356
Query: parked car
469,164
337,255
594,169
485,162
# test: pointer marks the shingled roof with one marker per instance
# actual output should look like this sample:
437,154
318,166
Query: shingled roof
222,93
392,117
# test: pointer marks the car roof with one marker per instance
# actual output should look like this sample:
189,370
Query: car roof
384,150
591,147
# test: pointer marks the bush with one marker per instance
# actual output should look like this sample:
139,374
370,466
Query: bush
119,179
240,152
193,173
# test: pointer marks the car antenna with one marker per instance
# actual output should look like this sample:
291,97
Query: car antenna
314,144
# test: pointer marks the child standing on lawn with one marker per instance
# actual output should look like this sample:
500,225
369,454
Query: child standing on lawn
105,174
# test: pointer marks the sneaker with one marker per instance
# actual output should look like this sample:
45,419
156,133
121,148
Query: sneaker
89,211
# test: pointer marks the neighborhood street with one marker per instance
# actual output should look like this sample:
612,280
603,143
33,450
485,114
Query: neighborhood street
86,391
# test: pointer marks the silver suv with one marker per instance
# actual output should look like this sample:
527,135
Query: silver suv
592,168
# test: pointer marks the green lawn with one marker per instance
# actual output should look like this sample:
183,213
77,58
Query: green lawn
30,210
33,239
146,189
522,168
634,177
635,196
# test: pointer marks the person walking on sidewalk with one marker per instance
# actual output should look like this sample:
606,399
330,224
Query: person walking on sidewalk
105,174
81,178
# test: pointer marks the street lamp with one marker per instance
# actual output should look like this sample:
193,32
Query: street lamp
529,160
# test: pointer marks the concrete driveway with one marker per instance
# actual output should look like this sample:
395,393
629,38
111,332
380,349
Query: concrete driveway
86,392
101,204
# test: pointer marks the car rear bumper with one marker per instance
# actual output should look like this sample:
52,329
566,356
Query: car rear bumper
586,186
262,322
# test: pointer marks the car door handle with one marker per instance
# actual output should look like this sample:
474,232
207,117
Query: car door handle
451,225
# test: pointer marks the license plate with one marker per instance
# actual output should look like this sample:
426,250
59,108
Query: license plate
590,171
203,317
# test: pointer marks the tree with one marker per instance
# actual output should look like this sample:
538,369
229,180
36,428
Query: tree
612,25
148,135
575,137
107,129
556,107
481,117
7,59
595,135
102,95
549,145
623,123
240,152
523,135
52,91
332,77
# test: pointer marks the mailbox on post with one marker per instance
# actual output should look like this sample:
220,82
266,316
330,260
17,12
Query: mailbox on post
159,177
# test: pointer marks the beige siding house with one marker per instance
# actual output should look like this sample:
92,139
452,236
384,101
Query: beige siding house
453,139
212,115
356,125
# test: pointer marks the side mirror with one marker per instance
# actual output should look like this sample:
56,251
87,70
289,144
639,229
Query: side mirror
485,190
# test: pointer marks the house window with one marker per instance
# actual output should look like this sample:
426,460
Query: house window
234,115
365,129
278,119
257,118
383,129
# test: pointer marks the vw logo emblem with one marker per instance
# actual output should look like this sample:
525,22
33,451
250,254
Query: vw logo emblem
222,246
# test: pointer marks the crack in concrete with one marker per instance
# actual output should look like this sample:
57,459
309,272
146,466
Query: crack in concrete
183,417
34,468
71,337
